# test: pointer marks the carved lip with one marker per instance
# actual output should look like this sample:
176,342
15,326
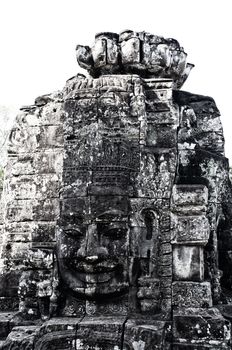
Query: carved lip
95,273
92,269
95,278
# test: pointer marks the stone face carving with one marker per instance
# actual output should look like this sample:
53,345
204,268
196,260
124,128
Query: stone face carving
115,198
92,250
116,209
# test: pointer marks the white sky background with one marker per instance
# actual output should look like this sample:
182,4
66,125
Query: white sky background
38,40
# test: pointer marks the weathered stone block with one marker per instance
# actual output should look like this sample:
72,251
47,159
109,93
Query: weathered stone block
201,327
23,139
39,259
191,294
188,263
48,161
158,93
153,185
149,295
165,248
46,210
149,306
5,323
47,186
184,210
23,187
20,165
94,308
9,304
161,117
164,271
160,83
99,52
21,337
146,334
8,285
90,328
19,210
189,195
189,346
159,161
29,210
79,189
158,107
16,251
162,136
75,109
64,339
50,136
212,141
52,114
19,231
130,51
43,232
190,229
165,260
30,139
112,51
58,324
1,235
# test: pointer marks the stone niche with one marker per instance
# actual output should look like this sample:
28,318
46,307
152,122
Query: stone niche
116,211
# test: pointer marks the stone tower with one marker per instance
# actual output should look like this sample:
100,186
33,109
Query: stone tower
116,224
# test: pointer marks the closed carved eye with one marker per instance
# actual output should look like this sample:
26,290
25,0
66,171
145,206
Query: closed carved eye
73,233
115,233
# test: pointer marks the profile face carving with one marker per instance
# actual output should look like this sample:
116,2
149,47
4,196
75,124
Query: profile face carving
92,245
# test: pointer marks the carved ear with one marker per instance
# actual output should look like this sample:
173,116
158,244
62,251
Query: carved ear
84,57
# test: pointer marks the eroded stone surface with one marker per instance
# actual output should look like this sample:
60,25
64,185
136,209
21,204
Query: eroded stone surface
201,328
116,209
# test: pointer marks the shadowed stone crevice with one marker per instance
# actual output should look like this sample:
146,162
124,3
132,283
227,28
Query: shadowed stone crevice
122,336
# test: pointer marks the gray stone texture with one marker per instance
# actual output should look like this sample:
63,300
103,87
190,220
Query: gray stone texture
115,219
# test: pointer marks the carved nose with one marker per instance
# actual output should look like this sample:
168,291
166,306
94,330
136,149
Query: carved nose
91,250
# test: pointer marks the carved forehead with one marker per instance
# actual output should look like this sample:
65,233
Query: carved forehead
93,103
93,207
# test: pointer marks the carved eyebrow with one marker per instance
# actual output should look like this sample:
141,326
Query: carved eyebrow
110,213
70,218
